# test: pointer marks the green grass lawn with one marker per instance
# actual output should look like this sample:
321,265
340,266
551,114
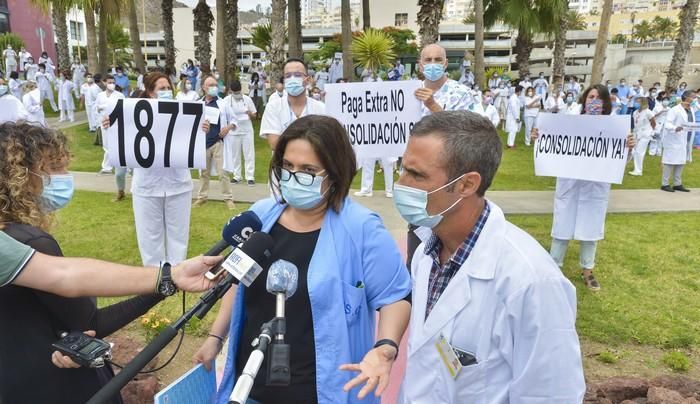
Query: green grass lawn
516,172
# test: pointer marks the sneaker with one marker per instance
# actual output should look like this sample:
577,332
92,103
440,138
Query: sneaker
363,193
667,188
105,172
635,173
235,181
389,194
681,188
120,196
199,202
251,183
230,205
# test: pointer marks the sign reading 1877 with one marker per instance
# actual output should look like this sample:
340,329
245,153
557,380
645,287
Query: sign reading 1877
152,133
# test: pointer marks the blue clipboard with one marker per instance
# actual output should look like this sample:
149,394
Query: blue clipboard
197,386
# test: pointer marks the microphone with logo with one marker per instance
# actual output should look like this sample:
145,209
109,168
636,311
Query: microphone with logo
282,281
236,231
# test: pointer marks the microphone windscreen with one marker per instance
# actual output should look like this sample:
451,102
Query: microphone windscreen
283,277
240,227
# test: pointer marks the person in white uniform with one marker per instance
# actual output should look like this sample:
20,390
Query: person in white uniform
580,206
486,108
644,125
513,116
88,96
24,55
533,102
493,320
335,72
104,104
660,112
241,139
65,98
502,93
31,69
186,93
571,106
541,86
322,78
555,102
675,143
78,70
43,81
10,61
11,108
32,103
281,112
15,85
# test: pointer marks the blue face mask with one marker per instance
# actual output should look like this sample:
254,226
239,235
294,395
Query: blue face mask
636,105
58,191
301,196
294,86
165,95
433,71
213,91
412,204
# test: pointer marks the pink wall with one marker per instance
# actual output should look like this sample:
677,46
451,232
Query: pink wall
25,18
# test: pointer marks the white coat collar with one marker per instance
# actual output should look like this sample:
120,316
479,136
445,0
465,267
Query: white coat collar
481,264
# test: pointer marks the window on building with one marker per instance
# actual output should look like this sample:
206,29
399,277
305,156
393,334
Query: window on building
400,19
4,23
76,31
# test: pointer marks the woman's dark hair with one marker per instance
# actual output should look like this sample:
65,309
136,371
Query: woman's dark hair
234,85
332,146
149,82
604,96
254,77
661,95
14,75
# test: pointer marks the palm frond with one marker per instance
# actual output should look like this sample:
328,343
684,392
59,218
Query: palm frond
373,49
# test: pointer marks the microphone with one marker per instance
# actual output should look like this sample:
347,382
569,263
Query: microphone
247,262
236,231
282,281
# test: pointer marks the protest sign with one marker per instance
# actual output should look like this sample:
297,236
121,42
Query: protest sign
378,117
198,385
156,133
585,147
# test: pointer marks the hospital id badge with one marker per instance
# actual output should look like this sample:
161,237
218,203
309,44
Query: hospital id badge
448,356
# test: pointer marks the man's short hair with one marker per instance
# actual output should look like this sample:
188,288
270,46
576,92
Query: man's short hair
295,60
688,94
470,144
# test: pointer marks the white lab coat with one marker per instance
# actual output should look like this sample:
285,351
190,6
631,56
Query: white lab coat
489,112
554,104
675,144
513,114
510,306
241,139
12,109
65,96
32,103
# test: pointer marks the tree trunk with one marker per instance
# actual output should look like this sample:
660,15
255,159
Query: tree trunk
277,46
428,19
479,64
685,37
365,15
523,49
167,14
58,15
135,37
103,47
294,30
231,33
203,21
559,56
91,31
221,23
346,38
602,42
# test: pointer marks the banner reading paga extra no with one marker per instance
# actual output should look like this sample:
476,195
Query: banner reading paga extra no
378,116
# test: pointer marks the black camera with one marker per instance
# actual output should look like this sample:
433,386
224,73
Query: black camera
85,350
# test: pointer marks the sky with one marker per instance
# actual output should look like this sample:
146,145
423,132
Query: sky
250,4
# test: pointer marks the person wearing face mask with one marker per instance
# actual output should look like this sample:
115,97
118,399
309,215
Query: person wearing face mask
30,69
660,112
65,98
15,85
43,81
681,89
24,55
255,90
32,103
623,93
572,86
466,77
279,89
525,83
439,92
78,70
88,97
485,108
215,146
186,92
616,103
482,287
651,97
104,104
675,143
11,108
242,137
122,81
494,81
316,94
41,186
192,73
45,58
335,71
321,78
349,270
636,92
10,57
571,106
532,108
580,206
644,126
501,101
541,86
513,116
281,112
555,102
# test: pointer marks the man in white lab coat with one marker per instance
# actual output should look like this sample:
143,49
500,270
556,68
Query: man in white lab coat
513,116
675,142
493,318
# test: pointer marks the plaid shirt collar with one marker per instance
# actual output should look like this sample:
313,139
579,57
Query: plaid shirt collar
433,245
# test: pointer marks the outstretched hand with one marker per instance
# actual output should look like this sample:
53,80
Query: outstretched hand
374,369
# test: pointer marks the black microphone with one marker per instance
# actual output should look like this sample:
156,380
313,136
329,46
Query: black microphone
236,231
244,264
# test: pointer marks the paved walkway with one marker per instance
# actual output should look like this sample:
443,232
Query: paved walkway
80,118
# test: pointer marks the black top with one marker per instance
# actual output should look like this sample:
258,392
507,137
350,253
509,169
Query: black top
296,248
32,320
214,128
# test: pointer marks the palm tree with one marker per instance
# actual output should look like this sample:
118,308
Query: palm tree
346,38
169,42
365,15
294,17
221,23
91,34
664,28
429,16
373,49
687,19
643,31
102,48
479,64
277,36
570,21
135,37
231,35
601,43
203,26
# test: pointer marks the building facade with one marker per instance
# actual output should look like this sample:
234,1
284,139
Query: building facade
32,24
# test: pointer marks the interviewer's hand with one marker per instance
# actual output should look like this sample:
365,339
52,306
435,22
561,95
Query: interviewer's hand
65,362
374,370
189,275
207,352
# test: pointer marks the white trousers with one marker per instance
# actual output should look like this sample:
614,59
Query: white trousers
368,174
47,93
586,255
67,114
162,227
237,146
640,149
92,117
529,124
511,137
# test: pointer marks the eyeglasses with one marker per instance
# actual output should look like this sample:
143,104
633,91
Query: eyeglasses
294,74
302,178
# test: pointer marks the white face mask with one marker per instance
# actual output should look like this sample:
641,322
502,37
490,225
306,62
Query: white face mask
111,86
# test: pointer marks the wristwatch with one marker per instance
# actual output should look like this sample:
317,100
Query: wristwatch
166,285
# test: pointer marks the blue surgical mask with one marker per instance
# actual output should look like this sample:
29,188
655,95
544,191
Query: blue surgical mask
3,89
302,196
165,94
58,191
433,71
412,204
636,105
294,86
213,91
